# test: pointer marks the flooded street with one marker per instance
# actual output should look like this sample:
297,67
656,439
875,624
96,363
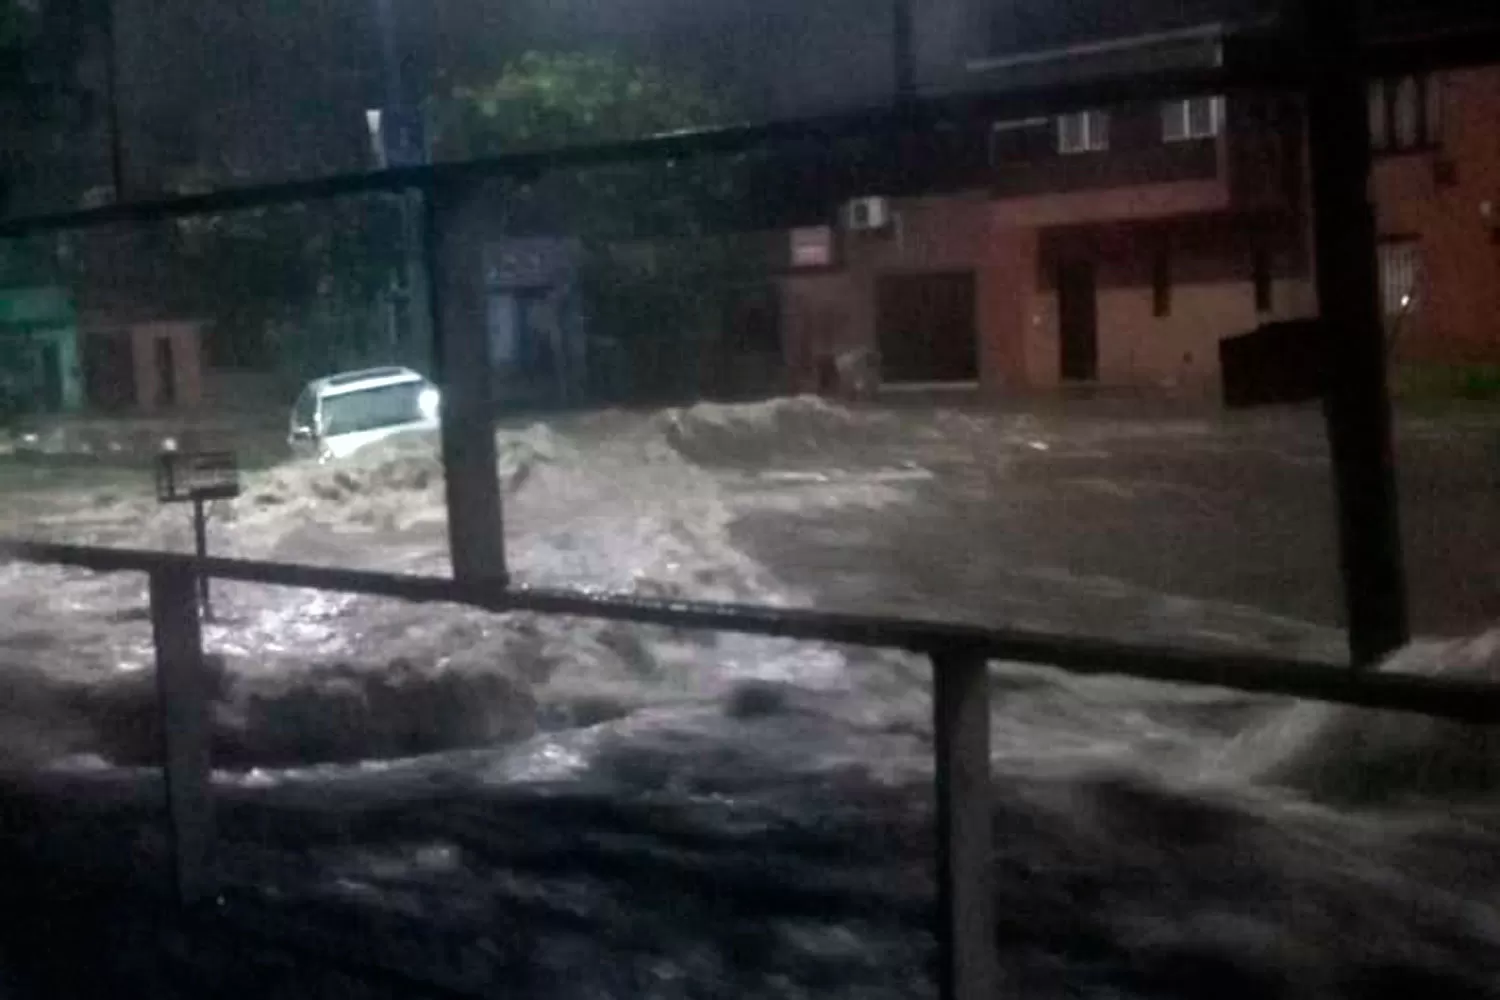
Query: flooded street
595,810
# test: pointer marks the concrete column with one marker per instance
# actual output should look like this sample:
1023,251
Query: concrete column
454,242
965,841
184,693
1357,403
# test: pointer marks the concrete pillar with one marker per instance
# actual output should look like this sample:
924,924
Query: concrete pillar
1356,400
454,241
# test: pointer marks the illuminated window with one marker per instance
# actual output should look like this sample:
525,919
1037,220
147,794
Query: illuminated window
1194,118
1083,132
1400,276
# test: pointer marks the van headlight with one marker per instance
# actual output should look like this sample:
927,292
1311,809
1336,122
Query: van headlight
430,403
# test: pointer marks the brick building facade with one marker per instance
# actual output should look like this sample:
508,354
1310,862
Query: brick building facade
1120,246
1436,189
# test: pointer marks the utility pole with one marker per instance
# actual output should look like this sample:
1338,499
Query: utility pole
112,101
403,143
453,238
1356,402
903,51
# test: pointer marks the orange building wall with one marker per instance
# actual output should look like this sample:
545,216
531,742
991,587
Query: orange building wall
1457,224
1458,318
1006,296
1211,296
1180,350
998,240
817,318
826,312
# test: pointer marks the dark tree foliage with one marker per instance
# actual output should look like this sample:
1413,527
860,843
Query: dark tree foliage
17,30
264,275
45,107
549,100
658,265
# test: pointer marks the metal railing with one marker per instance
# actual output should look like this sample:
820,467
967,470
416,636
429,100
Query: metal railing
960,657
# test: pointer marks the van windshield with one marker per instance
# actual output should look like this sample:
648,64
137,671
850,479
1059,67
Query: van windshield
371,409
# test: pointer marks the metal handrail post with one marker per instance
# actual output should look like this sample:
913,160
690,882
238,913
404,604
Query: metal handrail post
965,840
185,696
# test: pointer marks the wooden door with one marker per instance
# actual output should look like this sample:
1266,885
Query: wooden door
1078,322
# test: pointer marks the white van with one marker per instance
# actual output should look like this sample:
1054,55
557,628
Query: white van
336,416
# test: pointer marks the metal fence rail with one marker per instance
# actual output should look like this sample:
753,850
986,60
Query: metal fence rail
1357,413
1464,701
960,658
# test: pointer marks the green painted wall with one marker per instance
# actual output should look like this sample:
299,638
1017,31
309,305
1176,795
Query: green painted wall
50,304
39,346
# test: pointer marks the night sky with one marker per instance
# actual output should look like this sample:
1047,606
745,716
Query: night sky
240,90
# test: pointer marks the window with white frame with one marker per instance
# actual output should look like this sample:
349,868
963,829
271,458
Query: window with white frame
1194,118
1083,132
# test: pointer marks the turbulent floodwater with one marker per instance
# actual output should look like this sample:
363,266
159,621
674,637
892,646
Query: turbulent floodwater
674,814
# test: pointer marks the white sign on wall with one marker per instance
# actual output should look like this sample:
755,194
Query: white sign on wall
812,246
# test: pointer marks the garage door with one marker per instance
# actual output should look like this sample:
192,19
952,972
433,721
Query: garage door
927,328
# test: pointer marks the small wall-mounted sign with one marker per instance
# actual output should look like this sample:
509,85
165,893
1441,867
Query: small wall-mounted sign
812,246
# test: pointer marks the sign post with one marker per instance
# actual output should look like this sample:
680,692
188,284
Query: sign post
198,478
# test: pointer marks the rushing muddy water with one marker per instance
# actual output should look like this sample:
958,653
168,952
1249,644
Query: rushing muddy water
683,815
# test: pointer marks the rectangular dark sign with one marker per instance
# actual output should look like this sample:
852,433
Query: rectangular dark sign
184,476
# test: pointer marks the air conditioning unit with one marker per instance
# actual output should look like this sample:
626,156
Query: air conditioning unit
867,215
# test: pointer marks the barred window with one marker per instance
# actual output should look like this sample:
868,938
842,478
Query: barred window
1400,276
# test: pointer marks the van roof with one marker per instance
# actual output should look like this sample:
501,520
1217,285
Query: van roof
368,378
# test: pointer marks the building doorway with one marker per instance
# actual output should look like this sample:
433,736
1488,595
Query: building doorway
1078,322
927,328
109,370
528,355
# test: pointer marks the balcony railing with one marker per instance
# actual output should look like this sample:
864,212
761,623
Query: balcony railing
1114,168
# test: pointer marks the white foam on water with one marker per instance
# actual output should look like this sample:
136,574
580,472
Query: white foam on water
1347,755
1153,842
605,504
608,508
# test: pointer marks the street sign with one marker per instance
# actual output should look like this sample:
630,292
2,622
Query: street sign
197,477
194,477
